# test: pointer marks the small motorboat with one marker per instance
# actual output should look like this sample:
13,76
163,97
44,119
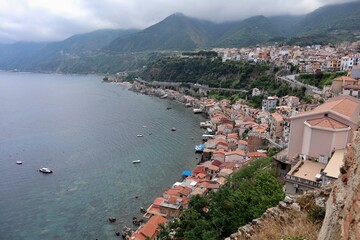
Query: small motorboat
136,161
139,135
18,162
45,170
173,129
200,148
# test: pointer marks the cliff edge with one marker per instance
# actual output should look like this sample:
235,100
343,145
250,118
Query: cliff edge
342,218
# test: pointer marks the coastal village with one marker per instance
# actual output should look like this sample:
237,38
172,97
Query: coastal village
310,141
305,59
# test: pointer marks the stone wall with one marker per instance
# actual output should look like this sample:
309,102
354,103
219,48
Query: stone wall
283,213
342,219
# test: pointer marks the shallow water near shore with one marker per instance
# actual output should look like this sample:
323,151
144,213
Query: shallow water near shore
86,131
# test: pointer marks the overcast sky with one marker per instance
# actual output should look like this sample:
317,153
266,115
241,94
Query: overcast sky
51,20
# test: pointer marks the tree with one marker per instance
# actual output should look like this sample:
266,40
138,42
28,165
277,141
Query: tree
248,193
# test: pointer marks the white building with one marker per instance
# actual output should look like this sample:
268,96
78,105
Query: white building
269,103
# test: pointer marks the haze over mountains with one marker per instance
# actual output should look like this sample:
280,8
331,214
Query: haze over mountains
331,23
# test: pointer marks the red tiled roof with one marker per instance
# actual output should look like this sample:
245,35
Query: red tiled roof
256,154
277,117
172,199
344,105
199,169
236,152
345,78
158,201
229,165
172,192
216,163
201,175
326,122
233,135
193,179
185,190
150,229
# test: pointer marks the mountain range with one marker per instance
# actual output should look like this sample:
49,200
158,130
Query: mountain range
328,24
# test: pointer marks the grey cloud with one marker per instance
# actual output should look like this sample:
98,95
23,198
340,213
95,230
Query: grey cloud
34,22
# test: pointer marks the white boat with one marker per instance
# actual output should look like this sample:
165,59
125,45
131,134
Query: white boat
205,124
197,110
173,129
45,170
136,161
139,135
18,162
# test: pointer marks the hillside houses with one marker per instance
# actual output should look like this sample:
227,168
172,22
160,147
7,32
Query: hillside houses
316,143
306,59
312,137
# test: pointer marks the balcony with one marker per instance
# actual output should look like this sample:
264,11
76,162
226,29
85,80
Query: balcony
306,173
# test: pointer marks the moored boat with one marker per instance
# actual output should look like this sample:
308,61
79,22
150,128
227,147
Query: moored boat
197,110
205,124
45,170
200,148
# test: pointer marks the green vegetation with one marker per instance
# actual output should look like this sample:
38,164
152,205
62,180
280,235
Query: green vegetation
217,74
251,31
209,71
314,212
246,196
320,79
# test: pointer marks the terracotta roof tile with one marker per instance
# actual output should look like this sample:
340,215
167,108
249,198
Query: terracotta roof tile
347,106
257,154
150,229
236,152
216,163
158,201
345,78
277,117
326,122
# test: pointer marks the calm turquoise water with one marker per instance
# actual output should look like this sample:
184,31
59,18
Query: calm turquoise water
85,131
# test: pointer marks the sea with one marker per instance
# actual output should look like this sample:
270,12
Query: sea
86,132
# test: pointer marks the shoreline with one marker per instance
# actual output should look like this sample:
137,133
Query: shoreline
139,88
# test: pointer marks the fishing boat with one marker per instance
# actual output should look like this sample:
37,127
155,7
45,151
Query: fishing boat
136,161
